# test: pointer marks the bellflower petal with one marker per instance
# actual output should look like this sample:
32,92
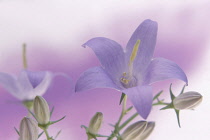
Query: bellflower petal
9,82
42,87
35,78
110,54
94,78
162,69
147,34
141,97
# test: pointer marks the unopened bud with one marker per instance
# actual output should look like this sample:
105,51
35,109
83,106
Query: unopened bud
28,129
147,131
41,110
95,123
187,100
134,131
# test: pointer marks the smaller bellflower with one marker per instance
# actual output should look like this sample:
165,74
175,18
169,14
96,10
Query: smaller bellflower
131,71
27,85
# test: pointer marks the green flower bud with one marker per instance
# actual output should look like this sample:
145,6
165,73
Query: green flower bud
41,110
28,129
134,131
187,100
147,131
95,123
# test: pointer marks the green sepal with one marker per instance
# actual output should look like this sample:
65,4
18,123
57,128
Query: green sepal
17,131
122,97
112,125
171,93
51,112
40,134
157,95
170,106
52,122
32,114
177,115
57,134
183,89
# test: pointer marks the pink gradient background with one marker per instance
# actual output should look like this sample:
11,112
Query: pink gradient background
54,32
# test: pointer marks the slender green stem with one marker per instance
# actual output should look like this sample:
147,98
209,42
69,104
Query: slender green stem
128,121
136,114
124,111
47,134
24,57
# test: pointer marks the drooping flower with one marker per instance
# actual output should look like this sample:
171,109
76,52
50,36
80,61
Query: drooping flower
27,85
133,71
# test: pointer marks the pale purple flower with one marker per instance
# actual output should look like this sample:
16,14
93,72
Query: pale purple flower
27,85
133,71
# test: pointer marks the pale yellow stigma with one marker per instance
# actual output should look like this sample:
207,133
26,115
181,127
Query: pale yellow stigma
127,78
124,80
134,52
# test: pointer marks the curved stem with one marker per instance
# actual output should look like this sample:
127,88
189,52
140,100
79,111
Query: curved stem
116,127
128,121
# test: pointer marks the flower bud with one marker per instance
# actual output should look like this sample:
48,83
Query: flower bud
134,131
95,123
41,110
28,129
187,100
147,131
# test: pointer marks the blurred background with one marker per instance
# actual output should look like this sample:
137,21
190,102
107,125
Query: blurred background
54,31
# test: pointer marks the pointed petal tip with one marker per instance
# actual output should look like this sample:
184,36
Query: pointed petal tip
149,21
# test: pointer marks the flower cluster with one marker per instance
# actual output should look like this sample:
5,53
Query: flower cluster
131,71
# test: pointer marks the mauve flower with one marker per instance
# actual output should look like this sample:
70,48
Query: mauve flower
133,71
27,85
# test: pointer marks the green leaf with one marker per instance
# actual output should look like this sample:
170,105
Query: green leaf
122,97
157,95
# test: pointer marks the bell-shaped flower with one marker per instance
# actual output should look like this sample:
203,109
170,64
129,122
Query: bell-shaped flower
131,71
95,123
134,131
28,129
187,100
27,85
41,110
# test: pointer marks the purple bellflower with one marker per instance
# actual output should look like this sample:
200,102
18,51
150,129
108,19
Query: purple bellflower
131,71
27,85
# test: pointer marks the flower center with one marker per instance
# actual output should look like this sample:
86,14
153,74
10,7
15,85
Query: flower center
127,79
